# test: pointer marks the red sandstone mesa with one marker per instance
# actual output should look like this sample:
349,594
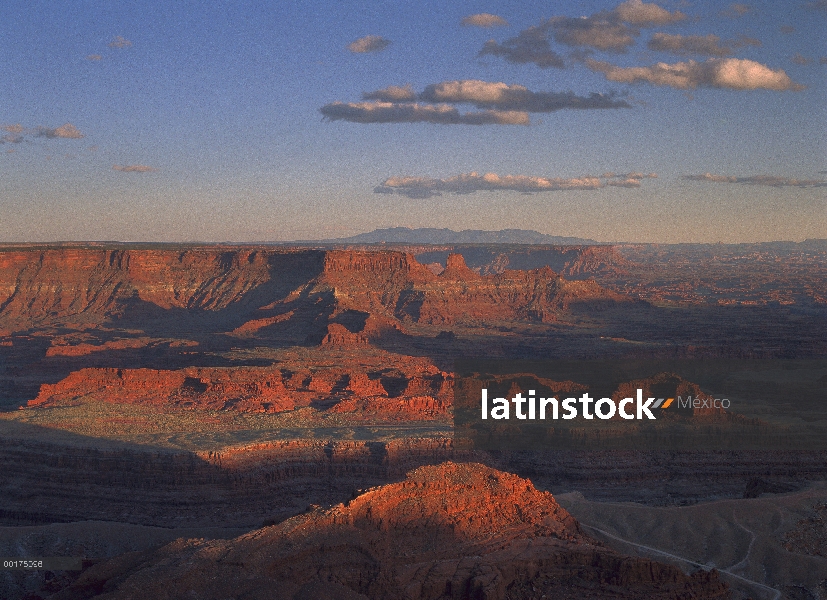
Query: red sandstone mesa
413,388
592,260
449,531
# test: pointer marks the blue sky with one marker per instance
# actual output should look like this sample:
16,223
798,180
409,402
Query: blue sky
256,121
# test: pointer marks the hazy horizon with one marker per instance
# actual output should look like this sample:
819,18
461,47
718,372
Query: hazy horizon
217,242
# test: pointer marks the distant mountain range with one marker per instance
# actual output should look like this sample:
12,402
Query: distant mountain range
445,236
430,235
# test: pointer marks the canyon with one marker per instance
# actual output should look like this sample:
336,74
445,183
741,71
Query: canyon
247,397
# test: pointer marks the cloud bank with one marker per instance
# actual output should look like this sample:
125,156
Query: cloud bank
484,20
426,187
610,31
727,73
369,43
768,180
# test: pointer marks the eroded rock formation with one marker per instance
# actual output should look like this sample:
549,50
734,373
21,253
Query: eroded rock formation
413,388
449,531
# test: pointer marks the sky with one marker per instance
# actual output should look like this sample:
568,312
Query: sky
249,121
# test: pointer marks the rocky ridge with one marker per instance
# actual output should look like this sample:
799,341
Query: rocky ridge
449,531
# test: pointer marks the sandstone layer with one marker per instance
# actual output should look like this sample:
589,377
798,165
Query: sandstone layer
65,480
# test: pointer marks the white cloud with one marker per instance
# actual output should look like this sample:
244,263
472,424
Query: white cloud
484,20
392,93
484,94
636,12
729,73
369,43
471,90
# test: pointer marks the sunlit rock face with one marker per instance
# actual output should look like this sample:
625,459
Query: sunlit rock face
447,531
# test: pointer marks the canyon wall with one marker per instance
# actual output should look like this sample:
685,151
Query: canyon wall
254,288
86,285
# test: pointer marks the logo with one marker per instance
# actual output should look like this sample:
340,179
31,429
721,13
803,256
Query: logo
532,408
690,402
639,403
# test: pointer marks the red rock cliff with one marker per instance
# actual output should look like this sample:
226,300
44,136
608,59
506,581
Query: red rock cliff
76,286
85,285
